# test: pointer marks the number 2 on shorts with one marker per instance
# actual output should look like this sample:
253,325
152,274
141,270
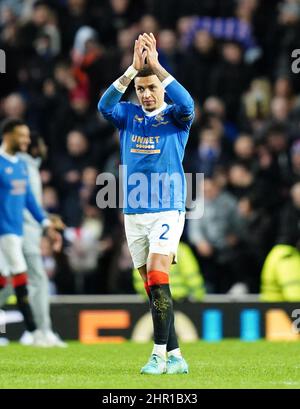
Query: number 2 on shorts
163,235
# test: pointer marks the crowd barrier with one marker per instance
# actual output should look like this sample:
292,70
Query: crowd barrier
117,318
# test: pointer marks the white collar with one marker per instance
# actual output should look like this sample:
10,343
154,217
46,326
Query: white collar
157,111
11,158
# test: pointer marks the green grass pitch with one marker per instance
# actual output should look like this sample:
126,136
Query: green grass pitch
226,364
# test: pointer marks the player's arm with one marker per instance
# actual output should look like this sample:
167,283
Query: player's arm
40,216
184,104
35,209
109,104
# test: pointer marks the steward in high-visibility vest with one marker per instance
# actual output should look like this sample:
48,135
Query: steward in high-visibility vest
186,281
280,280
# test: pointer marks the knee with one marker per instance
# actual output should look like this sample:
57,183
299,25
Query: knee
159,262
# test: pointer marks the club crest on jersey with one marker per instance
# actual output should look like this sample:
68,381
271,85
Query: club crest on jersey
138,119
9,170
159,117
160,120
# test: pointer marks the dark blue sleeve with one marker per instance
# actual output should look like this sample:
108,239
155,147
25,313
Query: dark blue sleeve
33,206
183,104
110,107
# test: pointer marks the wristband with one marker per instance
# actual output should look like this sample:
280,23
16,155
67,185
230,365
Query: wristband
131,72
120,87
46,223
167,81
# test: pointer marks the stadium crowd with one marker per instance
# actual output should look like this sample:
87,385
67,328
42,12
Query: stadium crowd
233,56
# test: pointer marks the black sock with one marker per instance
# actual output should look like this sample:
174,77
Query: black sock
161,309
172,339
24,307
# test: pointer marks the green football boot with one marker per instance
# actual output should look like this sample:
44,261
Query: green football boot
155,366
176,365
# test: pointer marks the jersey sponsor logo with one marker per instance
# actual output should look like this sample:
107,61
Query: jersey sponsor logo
145,144
18,187
150,152
9,170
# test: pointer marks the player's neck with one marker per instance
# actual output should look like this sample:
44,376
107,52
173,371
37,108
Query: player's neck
5,148
156,111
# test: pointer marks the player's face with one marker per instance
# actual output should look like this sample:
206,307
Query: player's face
150,92
20,138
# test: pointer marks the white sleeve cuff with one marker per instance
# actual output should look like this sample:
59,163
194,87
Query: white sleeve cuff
167,81
46,223
119,87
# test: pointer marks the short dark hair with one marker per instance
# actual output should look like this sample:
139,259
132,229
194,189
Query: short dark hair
145,72
9,124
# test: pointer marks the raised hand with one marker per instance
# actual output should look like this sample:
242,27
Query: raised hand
150,47
55,238
139,53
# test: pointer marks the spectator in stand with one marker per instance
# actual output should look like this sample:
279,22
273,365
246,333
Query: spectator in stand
278,142
169,55
61,280
216,237
50,200
244,149
215,106
256,241
42,21
14,106
74,16
242,182
117,15
230,78
209,153
280,279
294,175
199,62
68,171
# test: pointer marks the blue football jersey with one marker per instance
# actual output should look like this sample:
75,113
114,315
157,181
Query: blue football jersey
15,196
152,148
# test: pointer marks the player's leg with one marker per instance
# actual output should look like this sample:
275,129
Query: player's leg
5,291
172,344
165,337
39,298
11,246
5,287
158,267
38,291
136,229
164,239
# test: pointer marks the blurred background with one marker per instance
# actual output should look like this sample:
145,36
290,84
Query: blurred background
234,57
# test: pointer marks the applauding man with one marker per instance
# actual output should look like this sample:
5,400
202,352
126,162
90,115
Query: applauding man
153,136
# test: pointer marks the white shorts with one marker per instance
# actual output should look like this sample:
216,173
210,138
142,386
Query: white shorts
13,260
153,233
